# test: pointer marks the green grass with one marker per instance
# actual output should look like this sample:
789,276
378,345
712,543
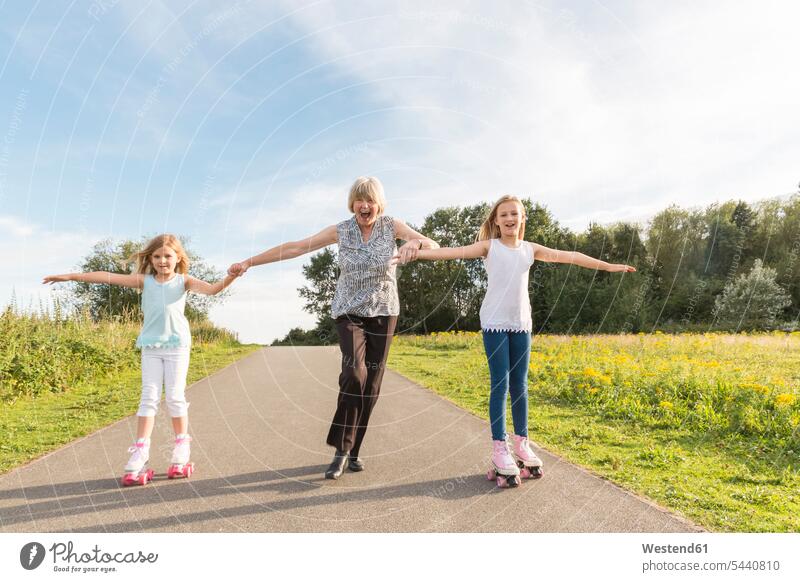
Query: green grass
724,476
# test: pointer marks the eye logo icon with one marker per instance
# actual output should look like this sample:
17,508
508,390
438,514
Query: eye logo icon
31,555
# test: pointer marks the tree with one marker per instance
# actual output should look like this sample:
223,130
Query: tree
685,272
752,300
322,272
444,295
107,301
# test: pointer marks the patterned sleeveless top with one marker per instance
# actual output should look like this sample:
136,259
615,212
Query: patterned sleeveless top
367,284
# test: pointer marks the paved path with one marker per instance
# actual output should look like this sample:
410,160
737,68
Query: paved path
259,431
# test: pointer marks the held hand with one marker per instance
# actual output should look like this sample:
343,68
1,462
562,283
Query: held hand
408,252
620,268
238,269
55,279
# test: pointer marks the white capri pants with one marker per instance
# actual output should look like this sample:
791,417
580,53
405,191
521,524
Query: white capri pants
167,366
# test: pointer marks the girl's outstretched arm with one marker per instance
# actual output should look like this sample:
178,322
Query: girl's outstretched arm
542,253
289,250
473,251
136,280
200,286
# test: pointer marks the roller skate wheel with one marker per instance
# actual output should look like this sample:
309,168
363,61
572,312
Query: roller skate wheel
491,475
513,481
525,473
502,482
188,470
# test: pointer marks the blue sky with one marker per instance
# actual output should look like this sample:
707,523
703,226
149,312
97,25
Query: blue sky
242,126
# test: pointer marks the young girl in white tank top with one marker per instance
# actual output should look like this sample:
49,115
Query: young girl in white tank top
506,325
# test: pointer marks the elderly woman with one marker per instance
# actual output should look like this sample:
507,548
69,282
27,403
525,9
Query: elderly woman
365,307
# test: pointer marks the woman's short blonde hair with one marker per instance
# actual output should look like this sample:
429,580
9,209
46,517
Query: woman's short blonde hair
367,188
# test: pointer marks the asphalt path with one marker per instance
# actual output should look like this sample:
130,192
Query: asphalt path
259,429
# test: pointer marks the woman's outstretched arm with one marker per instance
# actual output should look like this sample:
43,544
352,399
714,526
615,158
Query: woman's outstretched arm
285,251
548,255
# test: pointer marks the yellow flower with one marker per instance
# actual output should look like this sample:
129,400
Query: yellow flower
757,387
785,399
666,405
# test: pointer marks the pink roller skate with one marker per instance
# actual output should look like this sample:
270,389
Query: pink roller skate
135,471
530,466
181,467
504,470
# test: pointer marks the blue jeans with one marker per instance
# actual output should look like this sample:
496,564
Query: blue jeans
509,354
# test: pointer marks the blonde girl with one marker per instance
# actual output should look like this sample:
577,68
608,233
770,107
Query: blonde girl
162,275
506,324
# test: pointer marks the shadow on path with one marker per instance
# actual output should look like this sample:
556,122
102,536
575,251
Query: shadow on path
100,495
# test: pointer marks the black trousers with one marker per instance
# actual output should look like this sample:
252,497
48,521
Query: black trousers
364,342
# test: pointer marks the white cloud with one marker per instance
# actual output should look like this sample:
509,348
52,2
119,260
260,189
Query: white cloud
31,253
589,112
16,226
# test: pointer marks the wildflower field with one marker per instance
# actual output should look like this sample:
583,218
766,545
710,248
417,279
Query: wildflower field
705,424
64,377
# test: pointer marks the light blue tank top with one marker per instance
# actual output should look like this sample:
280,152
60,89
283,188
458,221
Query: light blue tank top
165,325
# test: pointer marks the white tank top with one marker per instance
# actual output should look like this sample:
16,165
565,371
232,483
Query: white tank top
507,306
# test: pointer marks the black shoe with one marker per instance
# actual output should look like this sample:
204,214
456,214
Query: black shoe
355,464
337,465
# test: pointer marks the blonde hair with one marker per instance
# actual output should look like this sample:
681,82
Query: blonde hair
489,228
142,258
367,188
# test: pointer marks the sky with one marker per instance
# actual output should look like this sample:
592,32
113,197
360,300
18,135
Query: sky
242,126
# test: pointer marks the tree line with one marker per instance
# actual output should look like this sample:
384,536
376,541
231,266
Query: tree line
729,266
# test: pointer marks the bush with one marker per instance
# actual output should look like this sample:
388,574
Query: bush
47,352
752,300
41,353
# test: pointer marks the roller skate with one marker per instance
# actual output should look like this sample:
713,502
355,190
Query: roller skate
530,466
181,467
504,470
135,471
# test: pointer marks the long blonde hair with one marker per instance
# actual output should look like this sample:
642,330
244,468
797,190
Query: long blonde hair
144,265
490,230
